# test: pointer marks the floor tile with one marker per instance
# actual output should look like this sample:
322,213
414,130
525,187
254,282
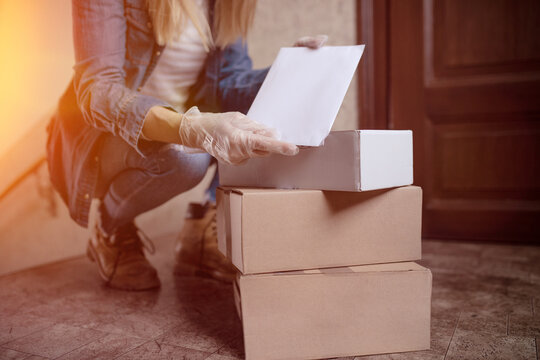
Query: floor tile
470,282
476,289
524,288
523,325
109,315
17,300
477,346
468,265
451,248
143,324
155,351
482,302
453,263
8,354
414,355
535,273
482,323
515,253
234,348
443,326
222,357
21,324
503,269
107,347
202,333
54,341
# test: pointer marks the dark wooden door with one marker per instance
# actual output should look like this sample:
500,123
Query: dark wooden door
464,75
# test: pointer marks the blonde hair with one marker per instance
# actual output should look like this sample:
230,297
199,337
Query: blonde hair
232,19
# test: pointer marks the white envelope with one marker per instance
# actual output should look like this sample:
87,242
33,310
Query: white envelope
303,92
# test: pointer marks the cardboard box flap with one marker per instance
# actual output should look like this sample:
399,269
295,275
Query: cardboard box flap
350,270
257,191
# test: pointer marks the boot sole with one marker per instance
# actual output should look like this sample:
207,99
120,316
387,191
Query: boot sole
183,269
90,252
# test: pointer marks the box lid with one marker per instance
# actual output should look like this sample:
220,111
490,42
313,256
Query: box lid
349,270
262,191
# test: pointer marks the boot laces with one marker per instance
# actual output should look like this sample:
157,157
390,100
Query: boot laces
145,240
131,235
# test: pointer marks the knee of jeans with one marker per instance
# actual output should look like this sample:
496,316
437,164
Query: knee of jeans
185,169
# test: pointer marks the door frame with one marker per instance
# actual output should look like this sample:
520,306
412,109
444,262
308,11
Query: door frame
372,29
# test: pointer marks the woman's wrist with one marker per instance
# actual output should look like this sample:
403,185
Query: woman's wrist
162,124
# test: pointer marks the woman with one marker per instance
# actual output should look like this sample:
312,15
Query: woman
159,86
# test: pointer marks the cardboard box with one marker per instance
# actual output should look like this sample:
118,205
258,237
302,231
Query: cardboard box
353,160
338,312
267,230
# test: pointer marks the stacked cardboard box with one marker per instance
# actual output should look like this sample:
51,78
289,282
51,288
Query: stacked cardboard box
328,273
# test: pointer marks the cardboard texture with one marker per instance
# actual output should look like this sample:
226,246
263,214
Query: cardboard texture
353,160
336,312
267,230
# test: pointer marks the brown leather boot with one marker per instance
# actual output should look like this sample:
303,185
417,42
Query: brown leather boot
120,258
196,247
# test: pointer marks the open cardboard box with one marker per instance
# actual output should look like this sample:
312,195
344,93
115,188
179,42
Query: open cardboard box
292,101
354,160
336,312
267,230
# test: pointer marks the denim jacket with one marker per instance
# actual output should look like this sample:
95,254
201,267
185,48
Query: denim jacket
115,53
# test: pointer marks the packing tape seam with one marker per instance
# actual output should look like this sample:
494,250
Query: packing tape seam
273,275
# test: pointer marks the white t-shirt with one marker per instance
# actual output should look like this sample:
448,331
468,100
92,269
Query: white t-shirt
178,68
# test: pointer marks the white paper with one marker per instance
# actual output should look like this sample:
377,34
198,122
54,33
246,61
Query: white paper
303,92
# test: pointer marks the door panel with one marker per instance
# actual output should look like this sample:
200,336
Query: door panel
486,160
480,37
465,77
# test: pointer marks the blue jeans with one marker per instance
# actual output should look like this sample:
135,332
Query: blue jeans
130,184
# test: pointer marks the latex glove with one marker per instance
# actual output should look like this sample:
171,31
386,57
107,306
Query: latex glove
230,137
312,42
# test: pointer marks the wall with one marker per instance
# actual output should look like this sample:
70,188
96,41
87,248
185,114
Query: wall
279,23
36,63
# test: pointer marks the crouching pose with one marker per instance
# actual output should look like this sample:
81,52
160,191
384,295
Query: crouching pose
159,92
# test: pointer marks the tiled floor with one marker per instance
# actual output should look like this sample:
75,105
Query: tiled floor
486,305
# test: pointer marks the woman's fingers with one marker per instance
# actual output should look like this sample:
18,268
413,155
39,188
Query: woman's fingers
249,139
312,42
249,125
253,145
271,145
266,132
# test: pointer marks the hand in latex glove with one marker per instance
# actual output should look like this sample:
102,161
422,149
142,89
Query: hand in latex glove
312,42
230,137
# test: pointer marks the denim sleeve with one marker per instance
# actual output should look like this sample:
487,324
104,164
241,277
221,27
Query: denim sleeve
238,81
99,31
